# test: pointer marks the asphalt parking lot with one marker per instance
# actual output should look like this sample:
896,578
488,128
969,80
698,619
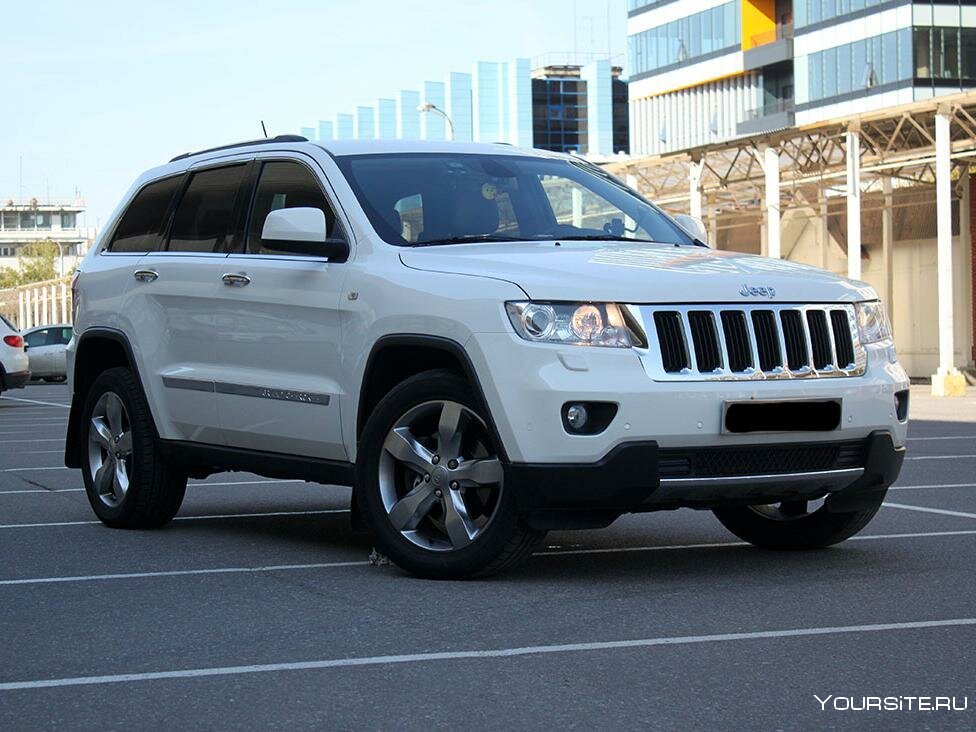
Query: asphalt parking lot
257,608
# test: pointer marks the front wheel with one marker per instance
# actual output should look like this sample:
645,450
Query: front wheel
128,483
795,524
431,484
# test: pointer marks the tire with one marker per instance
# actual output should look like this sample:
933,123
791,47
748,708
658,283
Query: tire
457,523
154,490
787,528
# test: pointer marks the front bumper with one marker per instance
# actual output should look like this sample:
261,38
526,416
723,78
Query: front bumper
640,476
17,380
526,386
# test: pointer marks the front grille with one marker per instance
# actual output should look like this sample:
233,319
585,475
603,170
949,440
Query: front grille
722,462
706,342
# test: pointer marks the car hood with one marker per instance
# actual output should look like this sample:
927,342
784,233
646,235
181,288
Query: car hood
638,273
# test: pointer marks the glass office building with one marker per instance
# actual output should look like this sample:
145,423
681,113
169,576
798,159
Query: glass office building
572,109
580,109
724,69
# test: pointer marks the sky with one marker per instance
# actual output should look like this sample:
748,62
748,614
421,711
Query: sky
97,92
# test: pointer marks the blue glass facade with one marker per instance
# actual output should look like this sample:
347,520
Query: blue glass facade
683,40
485,90
459,105
433,126
407,116
326,130
365,123
344,127
875,61
808,12
386,121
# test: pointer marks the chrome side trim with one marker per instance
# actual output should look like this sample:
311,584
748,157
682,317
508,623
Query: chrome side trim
175,382
259,392
266,392
829,479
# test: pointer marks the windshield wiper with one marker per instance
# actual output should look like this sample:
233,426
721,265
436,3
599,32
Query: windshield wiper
466,239
605,237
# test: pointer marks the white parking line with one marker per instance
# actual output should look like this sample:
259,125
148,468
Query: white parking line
926,509
36,401
556,552
45,439
934,485
430,657
181,572
940,457
183,518
946,437
189,485
27,470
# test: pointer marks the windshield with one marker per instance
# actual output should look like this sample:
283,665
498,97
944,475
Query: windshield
421,199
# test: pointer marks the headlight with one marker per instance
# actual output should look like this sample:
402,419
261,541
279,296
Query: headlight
872,322
576,324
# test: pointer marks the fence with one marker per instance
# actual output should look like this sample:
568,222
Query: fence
39,303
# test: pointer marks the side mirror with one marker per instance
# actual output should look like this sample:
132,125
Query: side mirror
694,226
302,231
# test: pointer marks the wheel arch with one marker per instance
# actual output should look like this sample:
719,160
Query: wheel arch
396,357
98,350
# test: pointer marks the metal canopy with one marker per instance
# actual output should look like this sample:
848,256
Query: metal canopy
896,143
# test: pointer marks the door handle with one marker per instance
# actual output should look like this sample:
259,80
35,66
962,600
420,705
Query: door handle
236,279
146,275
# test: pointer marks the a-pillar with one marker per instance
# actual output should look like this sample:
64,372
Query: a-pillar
854,203
773,232
947,381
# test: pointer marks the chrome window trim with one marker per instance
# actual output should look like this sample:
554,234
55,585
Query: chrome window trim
652,362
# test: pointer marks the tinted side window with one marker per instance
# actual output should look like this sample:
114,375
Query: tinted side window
37,338
204,220
141,227
59,336
287,185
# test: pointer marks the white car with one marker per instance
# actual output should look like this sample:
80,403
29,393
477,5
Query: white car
46,348
486,343
14,366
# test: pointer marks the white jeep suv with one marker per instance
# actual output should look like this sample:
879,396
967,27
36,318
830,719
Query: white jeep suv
485,343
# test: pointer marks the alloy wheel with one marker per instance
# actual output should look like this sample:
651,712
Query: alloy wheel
440,479
110,449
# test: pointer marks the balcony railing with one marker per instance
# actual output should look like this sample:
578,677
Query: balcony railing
779,106
781,31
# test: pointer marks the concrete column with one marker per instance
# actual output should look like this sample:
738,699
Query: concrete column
20,309
823,231
947,381
26,322
44,310
64,303
773,230
713,227
694,189
887,247
37,308
853,204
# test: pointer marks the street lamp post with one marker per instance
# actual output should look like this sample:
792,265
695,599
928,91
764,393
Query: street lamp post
428,107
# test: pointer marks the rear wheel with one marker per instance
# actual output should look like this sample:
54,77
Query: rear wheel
127,482
431,484
795,524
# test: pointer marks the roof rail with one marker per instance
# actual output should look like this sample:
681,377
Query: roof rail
261,141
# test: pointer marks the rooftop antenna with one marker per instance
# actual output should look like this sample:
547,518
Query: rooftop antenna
264,129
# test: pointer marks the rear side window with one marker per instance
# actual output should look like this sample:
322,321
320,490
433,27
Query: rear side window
204,220
287,185
141,227
37,338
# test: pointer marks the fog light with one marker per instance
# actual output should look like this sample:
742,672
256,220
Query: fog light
576,415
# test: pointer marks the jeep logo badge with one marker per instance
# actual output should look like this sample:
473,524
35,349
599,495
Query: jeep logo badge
748,291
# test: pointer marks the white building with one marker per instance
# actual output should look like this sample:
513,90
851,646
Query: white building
29,222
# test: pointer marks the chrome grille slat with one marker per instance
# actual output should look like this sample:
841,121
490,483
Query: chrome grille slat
753,342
